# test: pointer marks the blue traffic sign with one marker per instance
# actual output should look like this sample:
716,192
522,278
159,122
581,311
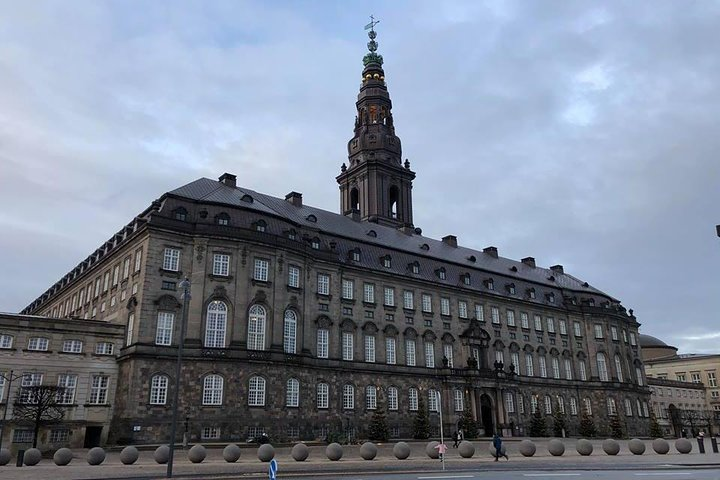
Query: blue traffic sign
272,469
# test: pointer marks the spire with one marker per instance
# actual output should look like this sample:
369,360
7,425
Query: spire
375,183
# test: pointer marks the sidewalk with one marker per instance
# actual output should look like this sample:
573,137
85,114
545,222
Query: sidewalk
318,465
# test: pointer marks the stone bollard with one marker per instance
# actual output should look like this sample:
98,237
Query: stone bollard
683,445
197,454
266,452
300,452
556,447
584,447
401,450
129,455
527,448
610,446
32,457
96,456
231,453
4,456
63,457
466,449
636,446
431,451
334,452
368,451
162,454
661,446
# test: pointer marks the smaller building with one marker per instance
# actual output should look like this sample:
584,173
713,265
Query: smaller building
77,355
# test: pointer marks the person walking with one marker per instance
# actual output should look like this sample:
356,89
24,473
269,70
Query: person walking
456,439
497,443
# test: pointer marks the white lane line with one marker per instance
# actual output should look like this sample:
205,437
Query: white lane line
661,473
551,474
445,476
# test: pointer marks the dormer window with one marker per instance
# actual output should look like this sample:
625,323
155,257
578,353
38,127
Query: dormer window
372,233
315,243
292,234
355,255
260,225
386,261
489,284
472,259
551,298
223,219
180,214
591,302
311,218
425,247
511,288
531,293
441,273
415,267
466,279
247,198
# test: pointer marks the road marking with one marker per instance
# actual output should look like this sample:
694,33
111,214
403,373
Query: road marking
661,473
551,474
446,476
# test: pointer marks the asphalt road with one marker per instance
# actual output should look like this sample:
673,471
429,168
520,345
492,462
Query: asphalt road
654,474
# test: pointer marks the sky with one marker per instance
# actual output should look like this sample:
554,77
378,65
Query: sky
581,133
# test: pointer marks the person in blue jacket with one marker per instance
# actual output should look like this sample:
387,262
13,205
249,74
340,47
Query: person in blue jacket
497,443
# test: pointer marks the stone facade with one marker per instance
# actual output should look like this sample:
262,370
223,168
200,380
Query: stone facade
287,300
77,350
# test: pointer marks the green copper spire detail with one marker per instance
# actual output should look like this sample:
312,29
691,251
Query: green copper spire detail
373,56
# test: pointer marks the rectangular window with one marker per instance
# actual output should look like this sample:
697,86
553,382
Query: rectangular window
323,284
462,309
563,327
2,386
390,351
72,346
614,333
369,293
66,384
126,268
389,297
22,436
322,343
294,276
695,378
444,306
433,401
74,303
510,318
624,335
495,315
524,320
221,264
509,402
499,356
106,281
59,436
164,331
582,368
210,433
323,394
347,346
410,353
529,371
550,324
712,380
479,312
426,303
104,348
556,367
611,407
171,259
39,344
538,323
6,341
99,389
429,354
598,331
568,369
408,300
369,348
130,328
413,400
633,339
543,366
578,329
260,272
459,403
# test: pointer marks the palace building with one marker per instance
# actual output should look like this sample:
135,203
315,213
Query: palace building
302,322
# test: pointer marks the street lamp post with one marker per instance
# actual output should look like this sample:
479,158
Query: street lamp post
185,286
9,378
442,441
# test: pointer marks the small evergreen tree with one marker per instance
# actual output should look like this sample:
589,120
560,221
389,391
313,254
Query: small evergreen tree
587,426
421,425
468,425
559,423
538,425
379,430
616,428
655,428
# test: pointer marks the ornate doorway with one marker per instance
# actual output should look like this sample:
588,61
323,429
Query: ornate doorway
486,415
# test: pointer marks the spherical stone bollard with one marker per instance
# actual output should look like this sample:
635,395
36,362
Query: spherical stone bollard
467,449
266,452
431,451
5,456
368,451
32,457
683,445
162,454
401,450
197,454
334,452
636,446
300,452
231,453
129,455
491,449
96,456
584,447
556,447
661,446
610,446
63,457
527,448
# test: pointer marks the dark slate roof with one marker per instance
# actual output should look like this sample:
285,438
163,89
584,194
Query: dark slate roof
388,238
648,341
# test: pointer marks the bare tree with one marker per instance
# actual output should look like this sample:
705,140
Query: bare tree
38,405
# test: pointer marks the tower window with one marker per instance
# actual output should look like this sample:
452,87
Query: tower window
394,197
354,200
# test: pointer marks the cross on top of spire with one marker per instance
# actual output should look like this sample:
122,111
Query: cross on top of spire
373,56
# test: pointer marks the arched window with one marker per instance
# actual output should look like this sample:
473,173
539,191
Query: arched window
529,369
628,408
611,407
158,389
543,366
212,390
588,406
602,367
568,369
618,368
413,399
573,406
548,405
582,368
354,200
639,375
561,404
392,396
290,332
292,393
216,325
256,328
556,367
323,395
256,392
394,198
433,401
348,397
370,397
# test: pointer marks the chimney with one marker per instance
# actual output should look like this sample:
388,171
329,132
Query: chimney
557,269
529,261
228,179
295,198
450,240
492,251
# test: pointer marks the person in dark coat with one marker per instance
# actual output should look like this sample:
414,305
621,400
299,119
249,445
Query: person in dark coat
456,439
497,443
